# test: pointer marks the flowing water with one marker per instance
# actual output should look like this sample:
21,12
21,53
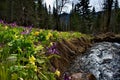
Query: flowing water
102,60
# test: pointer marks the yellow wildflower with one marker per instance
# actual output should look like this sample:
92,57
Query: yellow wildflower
51,44
35,68
32,60
57,72
36,33
21,36
16,36
6,27
21,78
41,30
48,36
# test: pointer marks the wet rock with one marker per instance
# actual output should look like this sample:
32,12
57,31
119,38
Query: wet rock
102,60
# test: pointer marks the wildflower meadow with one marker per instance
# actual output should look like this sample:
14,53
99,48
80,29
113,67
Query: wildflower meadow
25,52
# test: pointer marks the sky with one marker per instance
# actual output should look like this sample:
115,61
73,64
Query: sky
94,3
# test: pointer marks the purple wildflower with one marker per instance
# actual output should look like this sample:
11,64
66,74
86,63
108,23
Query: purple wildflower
27,30
13,24
53,49
5,23
30,28
1,21
66,77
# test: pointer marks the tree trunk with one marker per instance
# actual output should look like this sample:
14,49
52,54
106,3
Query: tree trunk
109,10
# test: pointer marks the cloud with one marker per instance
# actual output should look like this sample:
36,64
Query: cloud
49,2
98,4
67,7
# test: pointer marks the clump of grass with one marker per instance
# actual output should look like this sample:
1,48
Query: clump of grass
4,72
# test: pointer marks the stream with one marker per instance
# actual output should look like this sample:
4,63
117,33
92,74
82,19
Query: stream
102,60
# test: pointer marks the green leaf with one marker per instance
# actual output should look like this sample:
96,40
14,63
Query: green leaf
40,47
14,76
54,55
40,61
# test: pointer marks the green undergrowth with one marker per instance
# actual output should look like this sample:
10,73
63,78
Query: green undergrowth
25,52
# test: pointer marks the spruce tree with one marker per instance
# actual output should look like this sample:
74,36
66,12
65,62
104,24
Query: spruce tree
83,9
108,4
116,5
117,16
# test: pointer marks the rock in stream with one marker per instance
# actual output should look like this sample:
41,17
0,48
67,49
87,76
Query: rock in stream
102,60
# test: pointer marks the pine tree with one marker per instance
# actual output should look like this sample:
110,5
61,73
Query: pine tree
21,11
93,11
4,9
108,9
83,9
116,5
117,16
51,22
46,17
55,15
74,21
49,10
41,14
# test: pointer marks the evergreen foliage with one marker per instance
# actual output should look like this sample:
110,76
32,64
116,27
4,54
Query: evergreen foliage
82,18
